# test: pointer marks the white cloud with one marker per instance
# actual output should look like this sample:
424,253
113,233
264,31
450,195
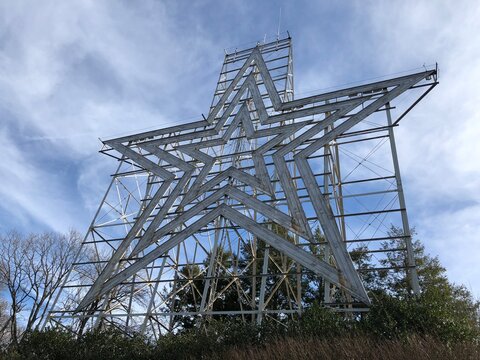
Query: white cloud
437,142
73,72
70,73
30,192
454,235
89,68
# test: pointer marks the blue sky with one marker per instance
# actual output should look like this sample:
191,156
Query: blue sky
71,72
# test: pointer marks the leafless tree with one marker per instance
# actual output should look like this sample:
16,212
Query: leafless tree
4,323
13,277
32,269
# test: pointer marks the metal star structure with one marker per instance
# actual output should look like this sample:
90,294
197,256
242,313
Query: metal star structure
250,167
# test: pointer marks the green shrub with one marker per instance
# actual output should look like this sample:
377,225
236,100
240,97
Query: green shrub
318,321
50,344
203,343
113,344
433,313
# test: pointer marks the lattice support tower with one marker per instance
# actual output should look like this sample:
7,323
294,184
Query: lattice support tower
252,212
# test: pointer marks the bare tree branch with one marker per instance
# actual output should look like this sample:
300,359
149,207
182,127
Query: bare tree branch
32,268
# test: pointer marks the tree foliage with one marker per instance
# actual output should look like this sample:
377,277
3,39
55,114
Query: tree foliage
443,309
234,295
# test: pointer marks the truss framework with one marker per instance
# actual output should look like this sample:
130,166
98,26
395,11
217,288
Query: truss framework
219,217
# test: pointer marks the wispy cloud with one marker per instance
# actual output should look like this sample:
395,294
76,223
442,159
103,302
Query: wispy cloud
28,189
437,142
70,73
73,72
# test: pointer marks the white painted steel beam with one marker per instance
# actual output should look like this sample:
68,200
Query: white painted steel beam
194,192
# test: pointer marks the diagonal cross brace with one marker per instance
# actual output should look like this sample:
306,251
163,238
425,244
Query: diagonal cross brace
319,267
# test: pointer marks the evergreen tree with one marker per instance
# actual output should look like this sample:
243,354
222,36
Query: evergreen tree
442,309
280,284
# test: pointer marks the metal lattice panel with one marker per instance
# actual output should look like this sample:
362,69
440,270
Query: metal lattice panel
238,213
